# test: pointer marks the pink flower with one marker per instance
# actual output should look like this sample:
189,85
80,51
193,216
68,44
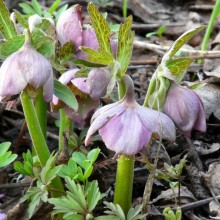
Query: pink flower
126,127
185,108
26,67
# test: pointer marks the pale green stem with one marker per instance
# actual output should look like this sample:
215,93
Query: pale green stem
151,89
125,8
208,32
41,110
124,182
66,126
37,138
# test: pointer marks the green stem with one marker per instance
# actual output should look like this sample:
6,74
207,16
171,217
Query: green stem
124,182
208,32
38,139
125,8
66,126
41,110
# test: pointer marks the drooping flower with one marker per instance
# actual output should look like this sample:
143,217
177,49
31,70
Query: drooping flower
126,127
80,88
26,68
185,108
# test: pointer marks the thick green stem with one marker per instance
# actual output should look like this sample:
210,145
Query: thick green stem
38,139
208,32
125,8
41,110
124,182
66,126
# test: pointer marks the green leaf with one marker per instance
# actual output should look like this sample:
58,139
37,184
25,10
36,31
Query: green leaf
107,217
115,210
177,68
101,28
4,147
54,6
21,20
7,159
85,63
93,154
79,158
27,9
36,7
11,45
66,52
7,27
65,94
100,56
125,44
60,11
184,38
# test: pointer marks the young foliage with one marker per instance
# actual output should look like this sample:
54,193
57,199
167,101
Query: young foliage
115,212
80,167
125,44
25,168
170,215
79,202
7,27
6,157
35,195
65,94
101,28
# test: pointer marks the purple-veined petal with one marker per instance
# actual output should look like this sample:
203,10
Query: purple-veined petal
80,83
68,76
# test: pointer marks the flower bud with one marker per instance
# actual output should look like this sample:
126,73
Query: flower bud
185,108
98,81
26,68
69,26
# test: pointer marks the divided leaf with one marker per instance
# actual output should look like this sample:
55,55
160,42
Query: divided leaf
100,56
21,20
7,27
125,44
101,28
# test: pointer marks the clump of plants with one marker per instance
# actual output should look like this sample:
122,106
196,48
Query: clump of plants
89,63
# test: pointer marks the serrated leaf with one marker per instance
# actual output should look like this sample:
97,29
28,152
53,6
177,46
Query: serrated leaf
184,38
177,67
27,9
125,44
7,27
100,56
11,45
21,20
101,28
79,158
65,94
36,7
54,6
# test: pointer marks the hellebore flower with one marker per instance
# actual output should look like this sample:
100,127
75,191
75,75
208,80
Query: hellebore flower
81,90
126,127
185,108
26,68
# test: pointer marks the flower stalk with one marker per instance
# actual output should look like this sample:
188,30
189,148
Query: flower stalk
37,138
124,182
